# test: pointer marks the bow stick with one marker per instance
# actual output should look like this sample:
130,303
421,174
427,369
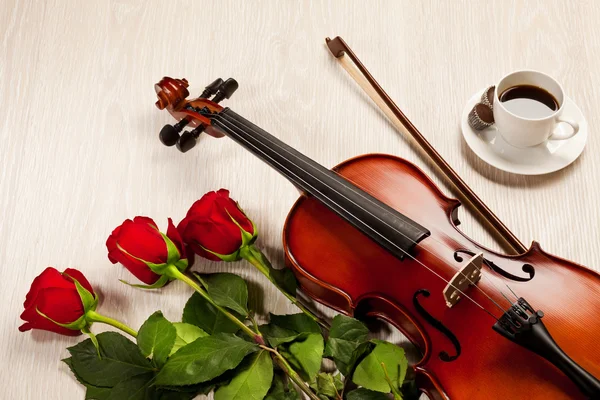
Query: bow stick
365,80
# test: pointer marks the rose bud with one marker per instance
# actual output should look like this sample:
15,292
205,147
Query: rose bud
59,302
216,228
146,252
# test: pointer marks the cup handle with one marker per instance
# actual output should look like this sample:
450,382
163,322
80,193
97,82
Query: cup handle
564,136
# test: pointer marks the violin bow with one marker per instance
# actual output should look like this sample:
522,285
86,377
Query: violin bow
365,80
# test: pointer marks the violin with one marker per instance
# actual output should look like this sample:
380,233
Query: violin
375,237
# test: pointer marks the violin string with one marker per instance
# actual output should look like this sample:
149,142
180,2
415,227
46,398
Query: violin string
224,123
401,233
497,288
361,194
228,129
237,123
514,294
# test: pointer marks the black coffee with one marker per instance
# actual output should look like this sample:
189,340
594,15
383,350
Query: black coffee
529,101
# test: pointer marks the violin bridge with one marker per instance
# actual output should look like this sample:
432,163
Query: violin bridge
467,276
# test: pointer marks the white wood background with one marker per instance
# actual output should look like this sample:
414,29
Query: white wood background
79,151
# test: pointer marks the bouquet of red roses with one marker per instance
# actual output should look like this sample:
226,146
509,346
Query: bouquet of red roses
218,346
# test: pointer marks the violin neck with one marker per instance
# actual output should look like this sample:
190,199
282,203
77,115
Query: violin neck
386,226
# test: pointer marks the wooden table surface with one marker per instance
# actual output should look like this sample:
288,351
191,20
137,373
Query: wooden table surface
80,153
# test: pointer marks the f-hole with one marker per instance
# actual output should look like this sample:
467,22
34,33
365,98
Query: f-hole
444,356
527,268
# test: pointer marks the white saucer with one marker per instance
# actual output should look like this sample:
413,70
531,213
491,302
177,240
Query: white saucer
541,159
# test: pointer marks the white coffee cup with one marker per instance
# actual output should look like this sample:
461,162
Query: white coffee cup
521,131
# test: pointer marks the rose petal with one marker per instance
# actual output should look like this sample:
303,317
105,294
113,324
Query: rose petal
47,325
142,240
220,238
79,277
234,210
182,226
196,248
61,305
191,257
145,220
50,277
111,244
223,193
138,268
242,219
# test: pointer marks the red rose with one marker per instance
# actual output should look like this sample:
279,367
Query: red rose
53,299
145,251
215,227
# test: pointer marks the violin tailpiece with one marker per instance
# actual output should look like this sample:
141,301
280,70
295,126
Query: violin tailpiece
523,325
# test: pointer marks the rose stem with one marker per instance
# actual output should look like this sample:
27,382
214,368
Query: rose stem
173,272
254,324
264,269
93,316
284,365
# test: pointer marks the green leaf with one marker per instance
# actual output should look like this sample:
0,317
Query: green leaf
156,338
92,392
228,290
120,359
135,388
172,252
328,385
281,389
89,301
366,394
204,359
97,393
92,337
285,279
306,355
69,362
277,335
171,395
300,323
253,380
357,356
78,325
345,335
288,328
370,373
186,333
198,311
162,281
199,388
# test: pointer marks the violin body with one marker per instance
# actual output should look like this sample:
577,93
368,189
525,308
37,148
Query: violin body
340,267
375,237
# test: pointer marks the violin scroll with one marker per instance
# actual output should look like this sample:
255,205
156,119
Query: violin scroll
170,92
196,113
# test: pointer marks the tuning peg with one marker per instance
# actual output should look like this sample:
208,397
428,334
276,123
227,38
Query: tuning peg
212,88
169,134
188,139
226,89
